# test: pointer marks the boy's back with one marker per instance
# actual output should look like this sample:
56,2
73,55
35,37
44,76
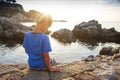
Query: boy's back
35,44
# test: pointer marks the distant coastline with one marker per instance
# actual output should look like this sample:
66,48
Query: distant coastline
60,21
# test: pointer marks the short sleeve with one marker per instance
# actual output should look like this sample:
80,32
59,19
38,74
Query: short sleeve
46,45
25,41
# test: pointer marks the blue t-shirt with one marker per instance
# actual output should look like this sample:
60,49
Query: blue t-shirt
36,45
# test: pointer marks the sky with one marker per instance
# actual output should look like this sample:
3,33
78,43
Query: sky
79,9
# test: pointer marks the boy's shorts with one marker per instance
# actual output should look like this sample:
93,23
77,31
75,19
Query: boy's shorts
52,62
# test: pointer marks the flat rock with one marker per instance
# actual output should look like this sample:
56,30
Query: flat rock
36,75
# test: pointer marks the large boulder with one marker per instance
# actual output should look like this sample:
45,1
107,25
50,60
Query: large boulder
12,30
64,35
92,30
88,30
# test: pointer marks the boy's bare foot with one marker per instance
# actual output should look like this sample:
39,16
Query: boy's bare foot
54,68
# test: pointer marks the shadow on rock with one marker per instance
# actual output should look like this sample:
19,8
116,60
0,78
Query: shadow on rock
36,75
43,75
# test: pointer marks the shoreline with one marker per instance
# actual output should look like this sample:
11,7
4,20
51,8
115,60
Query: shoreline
101,68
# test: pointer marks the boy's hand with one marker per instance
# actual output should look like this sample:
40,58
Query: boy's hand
54,68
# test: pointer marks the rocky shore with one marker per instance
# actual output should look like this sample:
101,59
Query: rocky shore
100,67
88,31
16,12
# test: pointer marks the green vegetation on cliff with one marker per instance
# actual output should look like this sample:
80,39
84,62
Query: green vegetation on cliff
7,9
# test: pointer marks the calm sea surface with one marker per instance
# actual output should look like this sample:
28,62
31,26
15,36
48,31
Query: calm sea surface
107,14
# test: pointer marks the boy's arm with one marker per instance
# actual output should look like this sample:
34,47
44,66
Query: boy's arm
47,62
47,59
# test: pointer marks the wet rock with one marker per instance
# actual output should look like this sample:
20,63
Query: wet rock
64,35
90,58
106,51
109,51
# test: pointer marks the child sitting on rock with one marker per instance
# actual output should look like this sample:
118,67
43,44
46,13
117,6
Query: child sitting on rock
37,45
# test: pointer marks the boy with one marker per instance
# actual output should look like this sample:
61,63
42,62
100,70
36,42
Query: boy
37,45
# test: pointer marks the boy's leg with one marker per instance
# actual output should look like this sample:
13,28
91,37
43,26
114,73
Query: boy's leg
52,62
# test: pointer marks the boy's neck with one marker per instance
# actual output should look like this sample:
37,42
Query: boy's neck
37,31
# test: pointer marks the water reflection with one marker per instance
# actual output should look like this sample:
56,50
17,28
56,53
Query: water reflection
90,44
61,52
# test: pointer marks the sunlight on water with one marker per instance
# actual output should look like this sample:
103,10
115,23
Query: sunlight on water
61,52
28,23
